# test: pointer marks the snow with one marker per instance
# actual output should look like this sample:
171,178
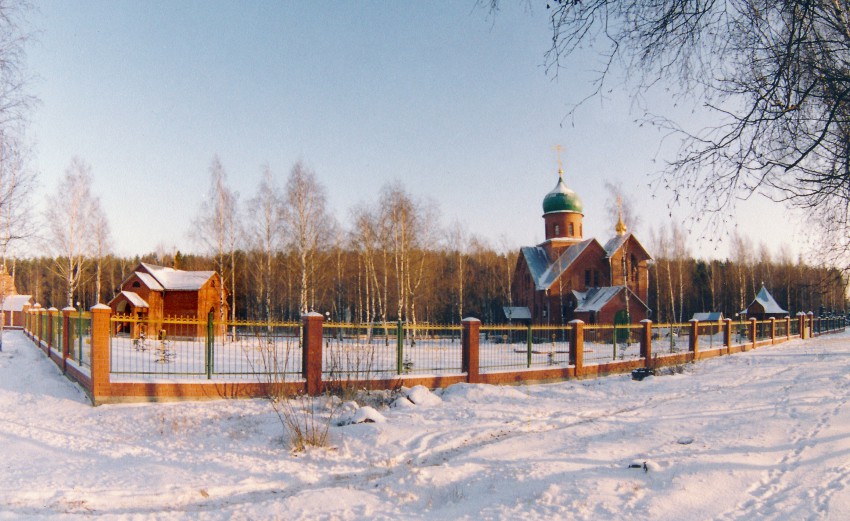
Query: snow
761,434
178,280
16,302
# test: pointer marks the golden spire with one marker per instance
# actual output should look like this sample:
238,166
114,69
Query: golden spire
559,149
620,228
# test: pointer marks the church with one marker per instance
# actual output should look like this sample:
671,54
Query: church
569,277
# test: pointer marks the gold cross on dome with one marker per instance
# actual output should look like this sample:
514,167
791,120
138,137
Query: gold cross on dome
558,149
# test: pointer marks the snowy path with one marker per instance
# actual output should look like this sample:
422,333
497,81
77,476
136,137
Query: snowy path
764,434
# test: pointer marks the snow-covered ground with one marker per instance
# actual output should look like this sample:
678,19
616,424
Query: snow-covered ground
758,435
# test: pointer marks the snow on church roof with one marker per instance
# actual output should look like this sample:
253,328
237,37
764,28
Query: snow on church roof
178,280
617,242
594,299
542,272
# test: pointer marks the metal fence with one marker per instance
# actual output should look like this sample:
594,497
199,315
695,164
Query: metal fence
517,347
79,338
740,333
670,339
251,351
604,343
710,335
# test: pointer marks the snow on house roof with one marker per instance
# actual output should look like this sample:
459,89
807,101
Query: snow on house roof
178,280
16,302
135,299
149,281
545,274
708,316
517,313
767,302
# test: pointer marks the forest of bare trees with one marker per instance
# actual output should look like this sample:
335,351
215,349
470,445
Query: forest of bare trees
351,284
283,253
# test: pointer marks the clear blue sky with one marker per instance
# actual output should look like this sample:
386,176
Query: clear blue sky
440,95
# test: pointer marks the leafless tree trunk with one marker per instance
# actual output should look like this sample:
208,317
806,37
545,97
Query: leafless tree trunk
267,228
101,244
458,246
70,216
216,228
309,223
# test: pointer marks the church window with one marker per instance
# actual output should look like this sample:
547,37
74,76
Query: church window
595,278
136,284
579,231
570,230
557,230
587,278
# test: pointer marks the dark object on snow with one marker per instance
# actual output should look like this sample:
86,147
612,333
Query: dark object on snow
641,373
639,466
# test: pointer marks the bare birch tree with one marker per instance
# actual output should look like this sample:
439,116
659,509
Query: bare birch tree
16,184
101,244
15,101
266,232
216,228
70,216
308,223
458,244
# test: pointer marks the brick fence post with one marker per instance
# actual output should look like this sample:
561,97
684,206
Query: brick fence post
471,338
577,346
100,389
646,343
727,334
772,330
311,352
693,341
801,324
753,332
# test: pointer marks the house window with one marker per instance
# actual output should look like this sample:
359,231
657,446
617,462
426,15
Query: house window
587,278
571,230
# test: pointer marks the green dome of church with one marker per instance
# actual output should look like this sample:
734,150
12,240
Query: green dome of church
562,199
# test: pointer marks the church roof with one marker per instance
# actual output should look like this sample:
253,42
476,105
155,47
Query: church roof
617,242
562,199
545,274
594,299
